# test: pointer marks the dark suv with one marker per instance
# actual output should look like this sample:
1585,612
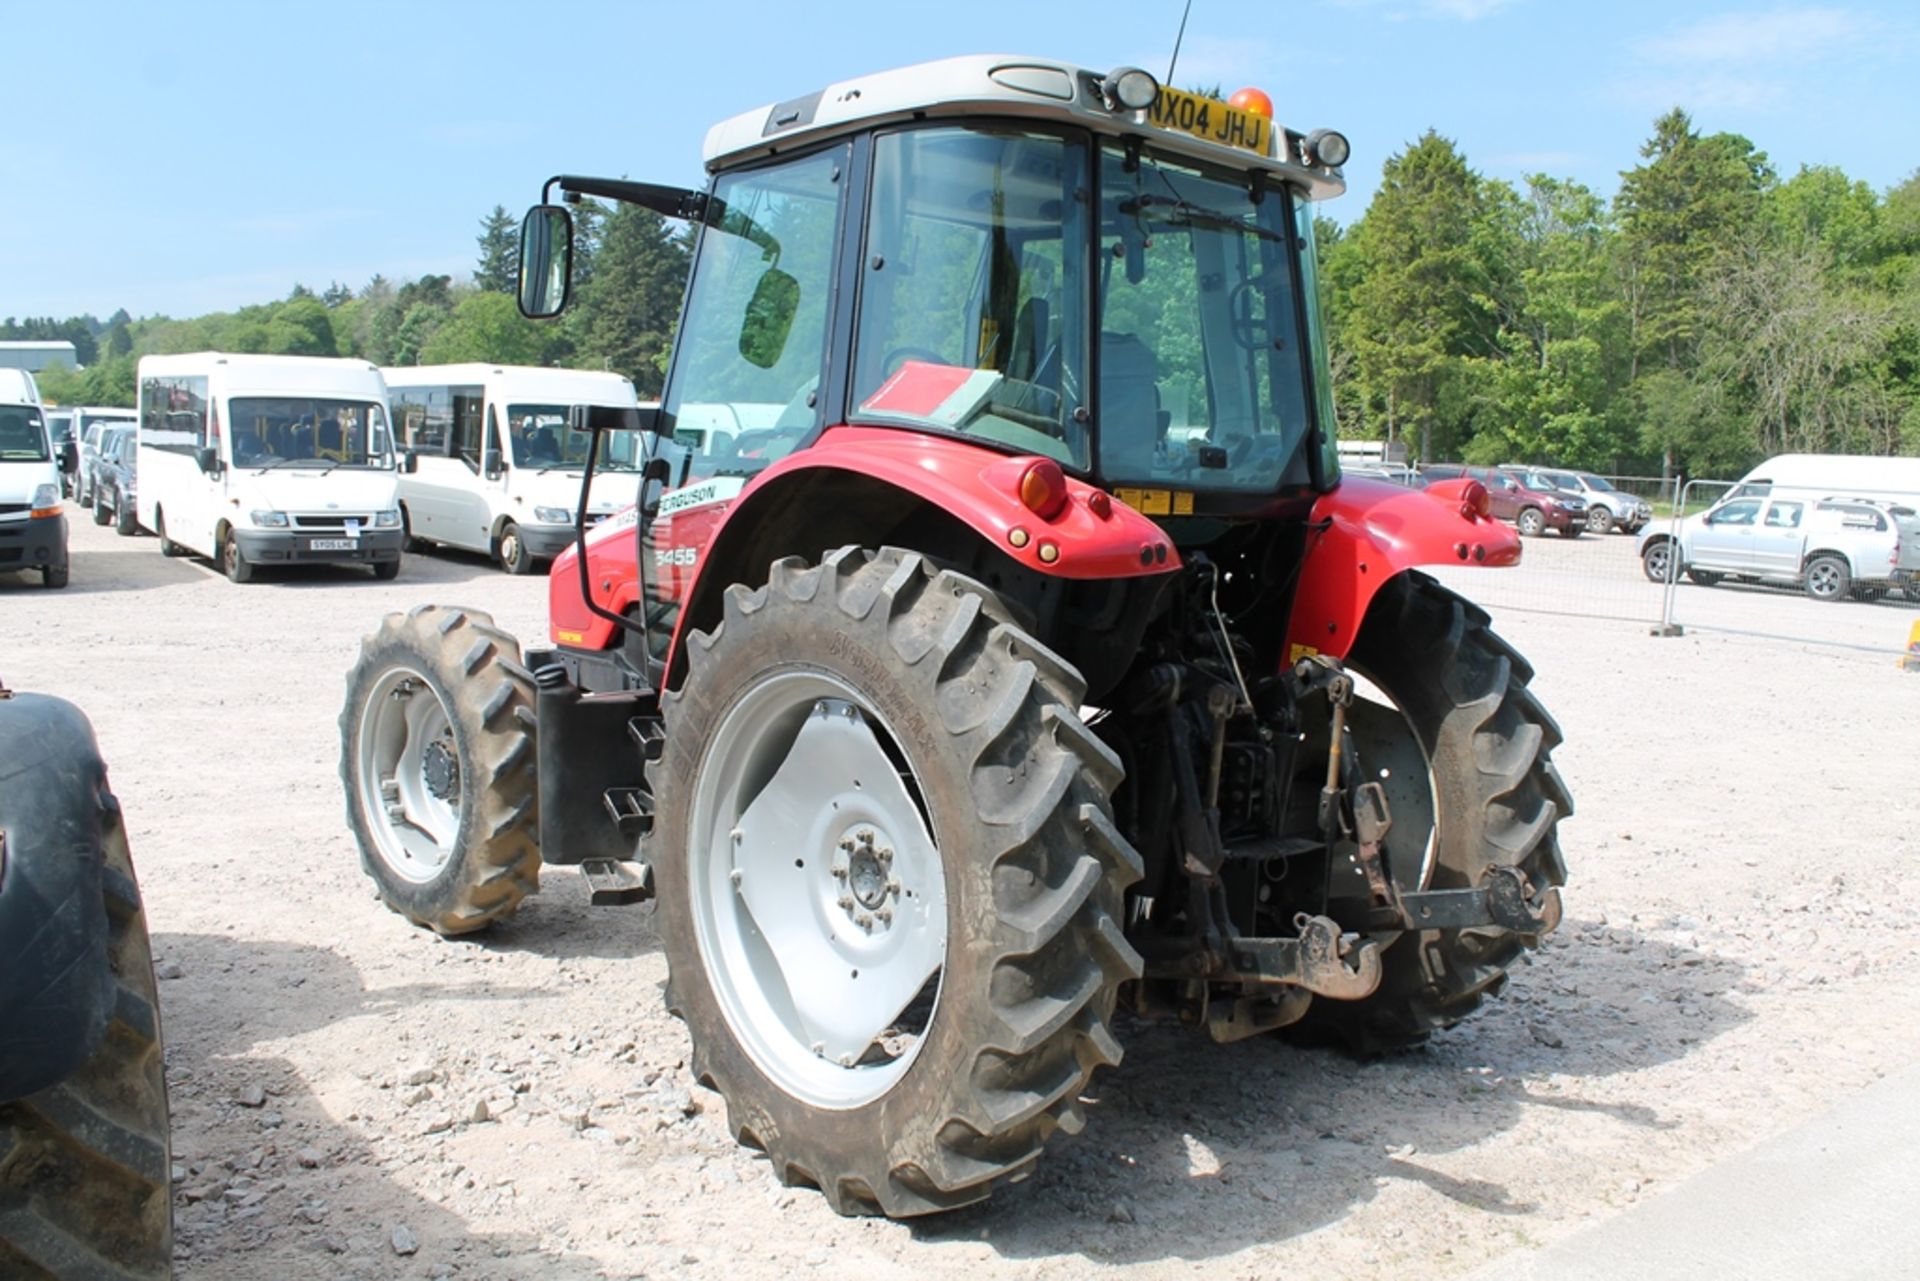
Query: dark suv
1532,511
113,483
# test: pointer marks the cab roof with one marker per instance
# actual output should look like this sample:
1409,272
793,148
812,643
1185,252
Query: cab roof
1004,85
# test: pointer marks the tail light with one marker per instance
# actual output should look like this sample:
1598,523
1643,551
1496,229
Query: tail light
1475,500
1043,488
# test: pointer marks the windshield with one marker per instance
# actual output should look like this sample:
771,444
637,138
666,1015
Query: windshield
994,221
541,439
1595,482
305,431
22,437
1202,365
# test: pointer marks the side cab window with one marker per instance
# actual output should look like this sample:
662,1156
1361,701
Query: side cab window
1740,513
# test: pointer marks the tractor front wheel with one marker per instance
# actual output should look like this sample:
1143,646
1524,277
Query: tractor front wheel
1491,798
437,757
890,888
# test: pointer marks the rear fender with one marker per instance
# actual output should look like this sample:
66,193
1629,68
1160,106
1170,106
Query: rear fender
1367,531
853,486
56,988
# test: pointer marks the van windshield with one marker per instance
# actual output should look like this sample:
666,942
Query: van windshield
22,438
305,431
541,439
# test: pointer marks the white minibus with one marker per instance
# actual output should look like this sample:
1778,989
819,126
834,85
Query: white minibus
495,469
268,460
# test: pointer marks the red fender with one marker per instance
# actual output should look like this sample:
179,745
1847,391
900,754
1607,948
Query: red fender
1365,532
1090,536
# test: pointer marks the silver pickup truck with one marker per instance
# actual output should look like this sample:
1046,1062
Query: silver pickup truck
1832,547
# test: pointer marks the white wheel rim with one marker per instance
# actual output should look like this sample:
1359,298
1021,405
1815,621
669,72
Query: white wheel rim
818,894
408,775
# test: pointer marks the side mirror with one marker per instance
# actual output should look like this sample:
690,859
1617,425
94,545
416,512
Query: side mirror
606,418
490,465
769,318
69,457
209,459
546,261
409,461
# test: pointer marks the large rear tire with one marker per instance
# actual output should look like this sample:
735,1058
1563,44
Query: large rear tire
908,1062
1496,800
84,1164
437,758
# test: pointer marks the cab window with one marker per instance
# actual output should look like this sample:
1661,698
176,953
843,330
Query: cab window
1784,516
1740,513
751,351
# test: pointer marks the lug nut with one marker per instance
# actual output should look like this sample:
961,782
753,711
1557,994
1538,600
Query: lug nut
846,844
884,913
893,885
839,873
864,921
846,902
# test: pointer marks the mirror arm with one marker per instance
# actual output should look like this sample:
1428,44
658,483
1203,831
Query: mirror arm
669,202
580,557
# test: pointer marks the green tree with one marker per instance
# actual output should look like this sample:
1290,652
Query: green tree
485,326
631,302
499,265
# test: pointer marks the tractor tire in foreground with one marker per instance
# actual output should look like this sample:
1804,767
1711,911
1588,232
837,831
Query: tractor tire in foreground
890,888
1495,800
437,759
84,1162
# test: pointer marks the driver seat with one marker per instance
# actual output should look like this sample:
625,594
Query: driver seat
1131,423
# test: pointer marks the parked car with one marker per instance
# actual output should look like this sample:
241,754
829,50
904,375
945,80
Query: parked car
1532,511
1832,548
114,484
83,424
89,482
1608,508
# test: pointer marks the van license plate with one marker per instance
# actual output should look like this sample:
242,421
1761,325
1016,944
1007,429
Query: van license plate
333,544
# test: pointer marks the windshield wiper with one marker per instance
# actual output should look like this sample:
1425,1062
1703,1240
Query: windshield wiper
1182,213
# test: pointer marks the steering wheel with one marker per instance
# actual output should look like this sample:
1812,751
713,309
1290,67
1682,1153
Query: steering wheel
891,362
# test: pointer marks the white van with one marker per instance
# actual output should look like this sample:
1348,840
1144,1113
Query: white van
1894,480
494,467
268,460
33,526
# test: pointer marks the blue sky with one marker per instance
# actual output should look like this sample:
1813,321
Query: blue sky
188,157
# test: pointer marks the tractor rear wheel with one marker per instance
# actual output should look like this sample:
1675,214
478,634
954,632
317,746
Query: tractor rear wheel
437,758
890,888
1492,798
84,1186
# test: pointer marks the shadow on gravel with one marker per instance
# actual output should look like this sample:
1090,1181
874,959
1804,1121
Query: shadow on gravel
1199,1150
560,923
139,566
276,1186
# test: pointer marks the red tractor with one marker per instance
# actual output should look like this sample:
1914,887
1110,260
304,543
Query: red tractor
993,639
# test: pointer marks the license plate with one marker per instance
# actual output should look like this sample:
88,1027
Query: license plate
333,544
1212,121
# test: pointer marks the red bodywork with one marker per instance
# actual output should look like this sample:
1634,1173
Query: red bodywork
1373,530
1091,537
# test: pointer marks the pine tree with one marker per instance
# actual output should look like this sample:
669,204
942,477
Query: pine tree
499,266
631,302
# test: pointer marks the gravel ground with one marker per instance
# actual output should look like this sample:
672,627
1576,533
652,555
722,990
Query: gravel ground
355,1098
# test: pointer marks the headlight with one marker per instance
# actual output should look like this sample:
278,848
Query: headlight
389,519
268,519
46,496
1129,89
553,515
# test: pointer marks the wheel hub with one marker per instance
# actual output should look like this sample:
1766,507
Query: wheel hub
864,861
441,769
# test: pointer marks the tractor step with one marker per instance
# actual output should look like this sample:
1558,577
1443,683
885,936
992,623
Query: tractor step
617,884
631,809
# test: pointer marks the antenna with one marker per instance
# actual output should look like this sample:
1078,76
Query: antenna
1176,44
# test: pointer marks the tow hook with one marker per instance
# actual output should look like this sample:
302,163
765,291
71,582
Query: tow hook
1503,899
1323,960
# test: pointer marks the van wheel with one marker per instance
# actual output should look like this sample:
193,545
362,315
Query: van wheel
1600,520
387,570
167,546
51,577
237,567
513,552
